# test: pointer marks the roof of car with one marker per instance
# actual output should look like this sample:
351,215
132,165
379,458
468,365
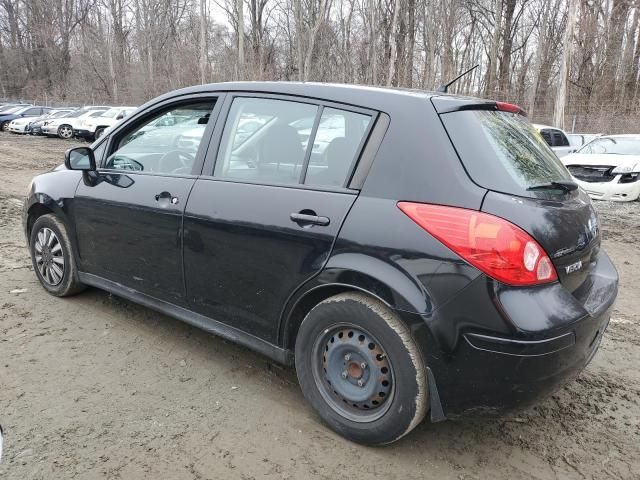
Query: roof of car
309,88
540,126
622,135
384,99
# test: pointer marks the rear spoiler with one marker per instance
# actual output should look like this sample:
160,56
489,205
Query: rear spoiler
447,104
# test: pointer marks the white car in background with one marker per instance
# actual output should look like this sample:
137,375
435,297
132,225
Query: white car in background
91,128
557,139
608,167
21,125
63,127
579,139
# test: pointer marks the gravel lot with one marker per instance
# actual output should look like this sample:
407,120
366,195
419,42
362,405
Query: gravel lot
96,387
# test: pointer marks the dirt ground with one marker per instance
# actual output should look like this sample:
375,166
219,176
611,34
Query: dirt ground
96,387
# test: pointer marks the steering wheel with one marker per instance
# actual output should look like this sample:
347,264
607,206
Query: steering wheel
176,161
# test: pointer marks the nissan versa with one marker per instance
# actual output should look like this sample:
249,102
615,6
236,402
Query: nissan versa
413,254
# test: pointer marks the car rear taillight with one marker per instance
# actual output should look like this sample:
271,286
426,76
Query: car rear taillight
495,246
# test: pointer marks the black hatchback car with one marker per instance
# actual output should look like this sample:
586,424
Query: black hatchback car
411,253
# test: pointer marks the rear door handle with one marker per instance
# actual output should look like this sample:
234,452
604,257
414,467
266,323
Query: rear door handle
307,219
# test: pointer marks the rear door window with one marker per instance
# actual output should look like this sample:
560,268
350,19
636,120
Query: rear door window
337,140
502,151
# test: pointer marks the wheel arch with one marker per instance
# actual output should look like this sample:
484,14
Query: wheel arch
36,211
358,273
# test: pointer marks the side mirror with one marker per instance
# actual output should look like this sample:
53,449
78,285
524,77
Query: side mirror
80,158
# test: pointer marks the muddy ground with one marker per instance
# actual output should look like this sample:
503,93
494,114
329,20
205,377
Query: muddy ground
96,387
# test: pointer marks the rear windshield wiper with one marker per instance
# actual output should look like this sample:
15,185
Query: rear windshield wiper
566,185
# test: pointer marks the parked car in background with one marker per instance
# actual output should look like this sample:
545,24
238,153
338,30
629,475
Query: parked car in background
23,124
91,128
22,112
557,139
440,261
12,106
35,127
579,139
608,167
63,127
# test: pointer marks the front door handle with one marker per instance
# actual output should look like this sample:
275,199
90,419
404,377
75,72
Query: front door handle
309,218
166,197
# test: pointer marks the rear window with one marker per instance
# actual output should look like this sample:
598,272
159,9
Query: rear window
502,151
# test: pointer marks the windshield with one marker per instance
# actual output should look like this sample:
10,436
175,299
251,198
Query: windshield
502,151
61,114
613,146
112,112
76,113
11,110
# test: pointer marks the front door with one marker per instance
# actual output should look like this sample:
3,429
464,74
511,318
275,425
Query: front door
129,217
265,219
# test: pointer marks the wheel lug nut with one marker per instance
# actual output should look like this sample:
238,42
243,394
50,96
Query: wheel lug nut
347,357
360,383
344,374
363,365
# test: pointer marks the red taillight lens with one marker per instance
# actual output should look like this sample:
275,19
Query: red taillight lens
509,107
499,248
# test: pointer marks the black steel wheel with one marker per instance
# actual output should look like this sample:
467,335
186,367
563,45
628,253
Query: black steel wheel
52,257
353,373
361,370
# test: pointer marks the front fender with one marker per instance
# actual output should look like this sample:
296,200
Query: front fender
52,191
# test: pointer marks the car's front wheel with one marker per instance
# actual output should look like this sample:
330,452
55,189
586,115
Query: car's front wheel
361,370
52,257
65,131
98,133
4,126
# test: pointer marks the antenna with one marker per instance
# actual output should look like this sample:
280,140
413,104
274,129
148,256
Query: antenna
444,88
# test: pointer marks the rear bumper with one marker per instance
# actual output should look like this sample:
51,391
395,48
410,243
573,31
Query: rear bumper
535,340
619,192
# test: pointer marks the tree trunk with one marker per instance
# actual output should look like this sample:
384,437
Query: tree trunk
393,43
203,41
561,97
240,7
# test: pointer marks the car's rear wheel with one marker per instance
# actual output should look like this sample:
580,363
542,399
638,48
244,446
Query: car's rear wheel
65,131
52,257
361,370
4,126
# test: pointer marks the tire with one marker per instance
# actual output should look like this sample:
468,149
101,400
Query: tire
47,252
4,127
65,131
98,134
349,342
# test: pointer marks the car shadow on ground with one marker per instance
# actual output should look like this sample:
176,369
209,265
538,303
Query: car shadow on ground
543,431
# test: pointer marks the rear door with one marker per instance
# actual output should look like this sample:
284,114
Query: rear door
263,217
129,217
